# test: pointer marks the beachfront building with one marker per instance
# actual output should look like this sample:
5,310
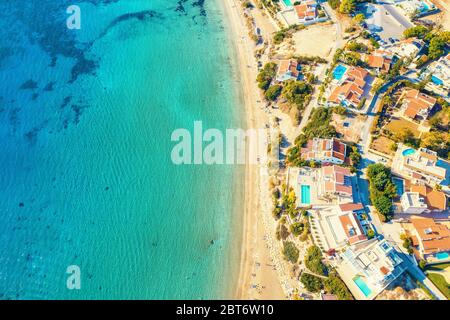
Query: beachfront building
416,105
350,89
432,239
325,151
405,49
369,267
339,226
301,12
439,71
335,183
420,166
307,11
380,60
288,70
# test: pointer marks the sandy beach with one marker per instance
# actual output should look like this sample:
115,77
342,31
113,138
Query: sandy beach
258,278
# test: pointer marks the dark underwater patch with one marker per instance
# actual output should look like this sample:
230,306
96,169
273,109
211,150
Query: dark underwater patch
180,7
49,86
29,85
65,102
144,15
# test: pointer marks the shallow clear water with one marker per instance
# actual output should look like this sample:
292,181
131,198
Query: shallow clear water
85,123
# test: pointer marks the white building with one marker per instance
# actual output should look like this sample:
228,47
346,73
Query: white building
413,203
421,166
405,49
369,267
440,76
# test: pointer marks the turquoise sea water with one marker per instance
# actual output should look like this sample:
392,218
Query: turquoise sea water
86,177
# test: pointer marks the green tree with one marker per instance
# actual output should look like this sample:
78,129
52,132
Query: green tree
347,6
311,283
359,18
290,251
273,92
266,75
334,4
313,261
417,31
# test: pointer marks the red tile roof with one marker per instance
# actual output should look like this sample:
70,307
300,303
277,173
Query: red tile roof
352,88
415,101
436,200
434,237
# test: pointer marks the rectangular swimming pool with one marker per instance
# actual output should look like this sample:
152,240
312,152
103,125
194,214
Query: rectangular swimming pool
399,183
362,286
305,194
442,255
288,3
339,72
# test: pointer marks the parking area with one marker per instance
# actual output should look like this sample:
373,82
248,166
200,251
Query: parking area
384,20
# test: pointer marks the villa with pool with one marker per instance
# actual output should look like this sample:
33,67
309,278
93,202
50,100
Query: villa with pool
432,240
350,87
440,76
301,12
328,185
421,166
367,268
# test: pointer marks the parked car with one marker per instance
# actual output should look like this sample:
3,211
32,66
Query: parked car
391,40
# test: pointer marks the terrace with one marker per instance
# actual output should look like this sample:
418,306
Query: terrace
369,267
421,166
341,225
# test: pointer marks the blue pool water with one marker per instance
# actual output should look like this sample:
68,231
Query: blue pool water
306,194
442,255
424,7
362,286
399,183
408,152
288,3
339,72
436,80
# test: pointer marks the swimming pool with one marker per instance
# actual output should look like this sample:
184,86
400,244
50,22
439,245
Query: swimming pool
436,80
424,7
305,194
339,72
288,3
362,286
408,152
399,183
442,255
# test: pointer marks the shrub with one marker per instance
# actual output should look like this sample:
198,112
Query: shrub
273,92
313,261
297,228
311,283
290,252
336,286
